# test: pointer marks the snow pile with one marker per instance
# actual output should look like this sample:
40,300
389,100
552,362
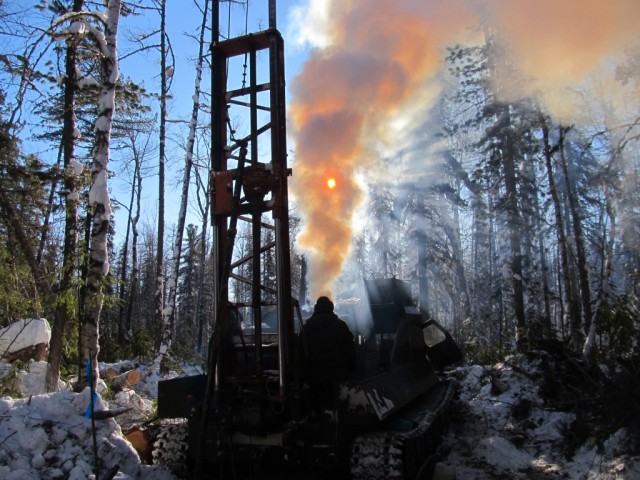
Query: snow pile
140,409
24,382
24,334
503,427
49,436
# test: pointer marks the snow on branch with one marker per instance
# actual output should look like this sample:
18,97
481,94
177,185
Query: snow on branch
82,27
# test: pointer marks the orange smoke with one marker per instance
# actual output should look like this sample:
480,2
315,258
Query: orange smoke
558,46
383,53
342,99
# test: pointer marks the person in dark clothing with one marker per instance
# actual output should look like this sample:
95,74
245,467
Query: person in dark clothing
330,352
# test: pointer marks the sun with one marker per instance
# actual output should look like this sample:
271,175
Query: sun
331,183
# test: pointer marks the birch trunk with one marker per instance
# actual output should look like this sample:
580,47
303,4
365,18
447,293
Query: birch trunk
169,311
99,199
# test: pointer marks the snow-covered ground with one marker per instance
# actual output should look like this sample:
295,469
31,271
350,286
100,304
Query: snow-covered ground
501,427
50,436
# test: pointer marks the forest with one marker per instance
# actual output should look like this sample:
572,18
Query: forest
515,225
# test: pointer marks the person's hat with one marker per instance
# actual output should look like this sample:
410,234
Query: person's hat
323,305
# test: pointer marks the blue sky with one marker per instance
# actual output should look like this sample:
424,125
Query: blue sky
183,19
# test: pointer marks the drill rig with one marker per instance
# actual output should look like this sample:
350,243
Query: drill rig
248,413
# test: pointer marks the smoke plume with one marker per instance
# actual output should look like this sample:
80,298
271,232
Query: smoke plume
377,58
559,47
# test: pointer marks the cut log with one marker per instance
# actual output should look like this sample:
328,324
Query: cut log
125,380
140,439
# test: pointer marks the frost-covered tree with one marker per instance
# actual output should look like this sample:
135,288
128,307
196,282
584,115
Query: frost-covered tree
105,34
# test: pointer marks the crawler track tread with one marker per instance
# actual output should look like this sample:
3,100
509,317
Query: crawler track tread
398,455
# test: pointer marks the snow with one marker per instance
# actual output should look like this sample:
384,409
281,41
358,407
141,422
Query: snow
76,167
500,427
23,334
76,27
501,453
508,430
48,436
99,193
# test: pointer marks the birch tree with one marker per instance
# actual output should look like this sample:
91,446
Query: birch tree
169,310
104,34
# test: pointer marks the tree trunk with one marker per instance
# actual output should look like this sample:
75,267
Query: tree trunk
135,269
163,332
99,200
15,223
576,222
125,257
570,307
64,304
169,311
198,314
589,350
125,380
302,293
52,197
514,227
421,247
451,228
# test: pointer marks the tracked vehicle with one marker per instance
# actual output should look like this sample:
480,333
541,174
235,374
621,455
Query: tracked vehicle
249,414
385,422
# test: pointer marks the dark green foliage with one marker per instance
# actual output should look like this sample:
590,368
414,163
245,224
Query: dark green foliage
22,193
619,327
18,294
186,292
141,344
110,349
